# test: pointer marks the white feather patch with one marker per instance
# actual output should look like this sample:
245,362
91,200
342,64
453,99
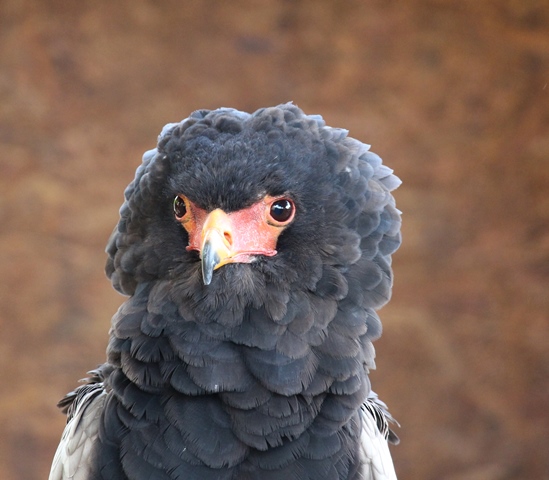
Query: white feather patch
71,460
378,464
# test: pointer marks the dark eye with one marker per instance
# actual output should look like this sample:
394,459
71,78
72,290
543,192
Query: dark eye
282,210
179,207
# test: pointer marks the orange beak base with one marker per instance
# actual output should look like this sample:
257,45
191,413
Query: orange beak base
235,237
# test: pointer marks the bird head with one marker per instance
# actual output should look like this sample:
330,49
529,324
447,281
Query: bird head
232,204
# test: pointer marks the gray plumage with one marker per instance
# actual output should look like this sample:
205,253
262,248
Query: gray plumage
257,369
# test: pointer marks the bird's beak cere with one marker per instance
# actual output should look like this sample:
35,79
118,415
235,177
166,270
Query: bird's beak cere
216,246
236,237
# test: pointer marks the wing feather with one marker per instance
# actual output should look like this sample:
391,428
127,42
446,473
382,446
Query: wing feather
84,405
375,438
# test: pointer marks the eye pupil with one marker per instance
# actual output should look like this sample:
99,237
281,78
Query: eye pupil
282,210
179,207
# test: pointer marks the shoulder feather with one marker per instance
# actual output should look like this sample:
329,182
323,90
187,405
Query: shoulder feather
83,407
375,438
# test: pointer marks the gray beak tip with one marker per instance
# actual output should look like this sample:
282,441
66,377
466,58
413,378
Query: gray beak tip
210,259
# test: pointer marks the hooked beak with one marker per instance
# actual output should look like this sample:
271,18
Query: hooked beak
235,237
215,250
221,245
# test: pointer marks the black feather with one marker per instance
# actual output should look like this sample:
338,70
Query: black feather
262,373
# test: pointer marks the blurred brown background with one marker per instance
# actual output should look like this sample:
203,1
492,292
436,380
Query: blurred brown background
452,94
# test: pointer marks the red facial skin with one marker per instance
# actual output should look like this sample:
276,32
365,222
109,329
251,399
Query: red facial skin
237,237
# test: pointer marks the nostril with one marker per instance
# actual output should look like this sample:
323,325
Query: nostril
228,238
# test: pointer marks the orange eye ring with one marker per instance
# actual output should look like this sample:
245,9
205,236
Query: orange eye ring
281,211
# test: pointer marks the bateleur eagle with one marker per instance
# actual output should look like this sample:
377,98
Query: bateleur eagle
255,250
